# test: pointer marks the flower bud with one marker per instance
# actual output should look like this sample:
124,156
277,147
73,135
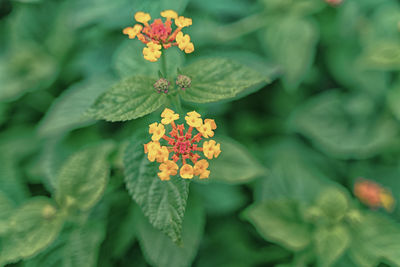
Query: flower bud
48,212
183,82
161,86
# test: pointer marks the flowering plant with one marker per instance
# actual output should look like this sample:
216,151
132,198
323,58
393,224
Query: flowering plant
118,122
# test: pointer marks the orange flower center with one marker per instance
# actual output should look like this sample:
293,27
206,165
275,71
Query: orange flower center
182,144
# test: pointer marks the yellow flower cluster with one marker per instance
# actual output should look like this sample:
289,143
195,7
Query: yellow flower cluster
159,34
182,145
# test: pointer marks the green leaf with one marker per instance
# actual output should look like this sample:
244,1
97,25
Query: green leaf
215,79
129,99
121,239
279,221
3,113
220,199
247,58
32,228
26,69
349,73
83,177
297,7
393,98
67,111
10,176
291,42
331,243
302,182
235,165
344,126
160,251
119,13
162,202
76,246
6,209
128,60
376,238
383,55
334,203
154,7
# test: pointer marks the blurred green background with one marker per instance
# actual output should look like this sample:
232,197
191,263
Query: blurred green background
330,115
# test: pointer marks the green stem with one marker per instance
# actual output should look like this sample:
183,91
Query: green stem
164,65
176,101
174,97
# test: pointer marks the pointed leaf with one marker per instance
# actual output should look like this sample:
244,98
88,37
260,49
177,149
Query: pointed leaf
32,228
235,165
215,79
160,251
76,246
129,99
279,221
83,177
331,243
162,202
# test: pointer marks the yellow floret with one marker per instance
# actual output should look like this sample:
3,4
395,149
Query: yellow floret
158,131
142,17
168,116
211,149
133,31
169,14
181,22
152,52
186,171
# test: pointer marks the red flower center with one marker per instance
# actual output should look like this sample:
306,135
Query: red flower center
183,145
159,31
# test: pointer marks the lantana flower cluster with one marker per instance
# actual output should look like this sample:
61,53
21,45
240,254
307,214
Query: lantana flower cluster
373,194
182,146
159,34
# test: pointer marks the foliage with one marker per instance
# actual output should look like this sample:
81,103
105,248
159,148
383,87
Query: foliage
305,95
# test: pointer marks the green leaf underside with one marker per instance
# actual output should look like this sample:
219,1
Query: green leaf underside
215,79
160,251
29,231
278,221
83,178
129,99
162,202
235,164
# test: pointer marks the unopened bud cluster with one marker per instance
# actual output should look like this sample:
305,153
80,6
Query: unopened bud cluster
162,86
183,82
